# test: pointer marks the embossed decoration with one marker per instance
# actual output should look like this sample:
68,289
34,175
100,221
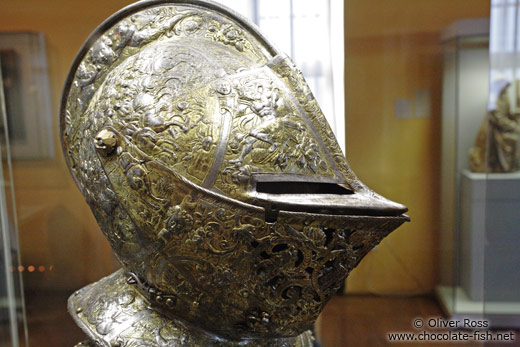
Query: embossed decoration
122,316
216,179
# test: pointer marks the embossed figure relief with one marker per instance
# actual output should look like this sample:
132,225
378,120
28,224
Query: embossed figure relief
216,179
496,145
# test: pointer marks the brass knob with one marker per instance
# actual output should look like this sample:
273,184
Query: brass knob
106,142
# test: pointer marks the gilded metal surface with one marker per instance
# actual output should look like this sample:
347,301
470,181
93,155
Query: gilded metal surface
496,144
213,174
115,314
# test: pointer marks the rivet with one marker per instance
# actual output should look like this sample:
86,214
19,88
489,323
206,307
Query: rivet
105,142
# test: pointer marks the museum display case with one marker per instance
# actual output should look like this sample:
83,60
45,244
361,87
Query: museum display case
480,169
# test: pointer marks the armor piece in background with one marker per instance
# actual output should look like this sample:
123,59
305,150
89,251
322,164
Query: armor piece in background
216,179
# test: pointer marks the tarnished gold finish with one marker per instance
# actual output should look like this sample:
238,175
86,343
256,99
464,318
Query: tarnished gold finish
216,179
496,144
118,314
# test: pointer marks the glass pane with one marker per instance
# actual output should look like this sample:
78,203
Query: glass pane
448,250
465,95
502,221
13,324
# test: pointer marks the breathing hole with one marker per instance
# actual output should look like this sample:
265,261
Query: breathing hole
300,259
273,282
329,235
329,264
358,247
280,248
264,255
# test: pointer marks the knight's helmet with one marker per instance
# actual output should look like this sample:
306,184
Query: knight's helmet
215,177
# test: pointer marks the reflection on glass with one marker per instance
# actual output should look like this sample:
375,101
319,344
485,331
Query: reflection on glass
10,66
13,325
502,220
464,101
27,95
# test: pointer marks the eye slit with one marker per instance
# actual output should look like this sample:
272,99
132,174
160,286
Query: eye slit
291,187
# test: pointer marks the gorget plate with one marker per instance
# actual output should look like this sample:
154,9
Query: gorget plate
113,313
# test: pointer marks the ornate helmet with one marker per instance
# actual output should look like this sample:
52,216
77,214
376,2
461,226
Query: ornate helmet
215,177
